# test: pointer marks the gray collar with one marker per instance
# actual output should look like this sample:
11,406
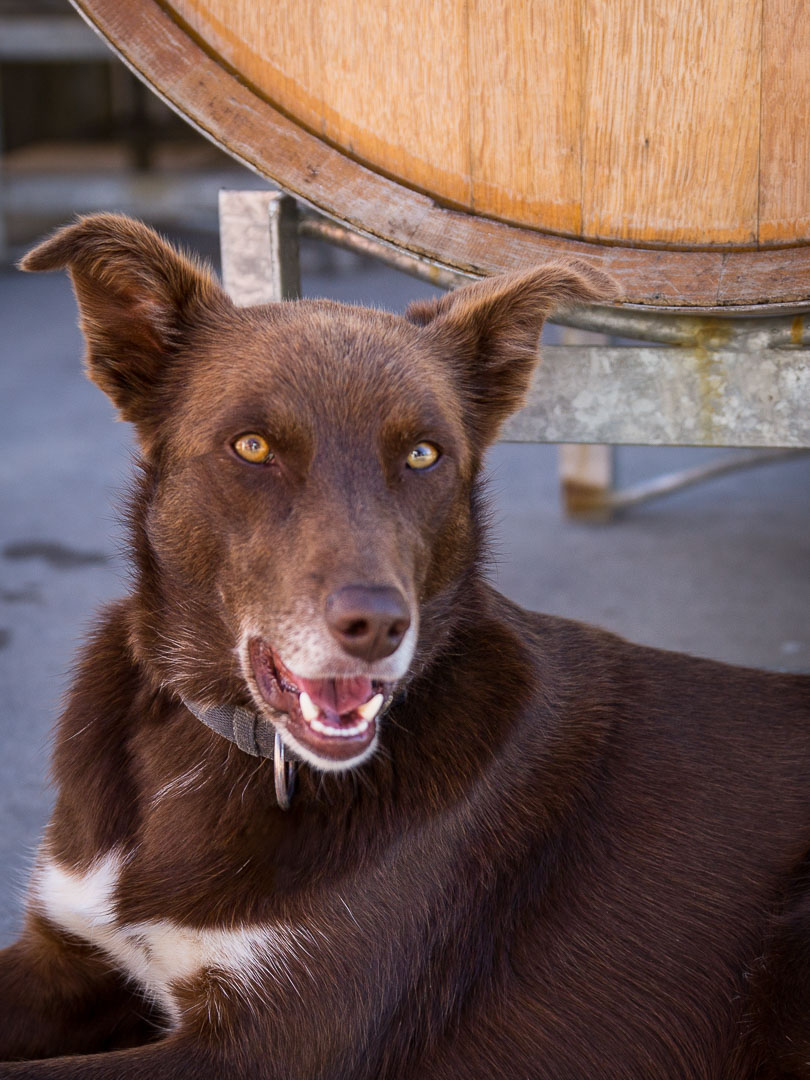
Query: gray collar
253,735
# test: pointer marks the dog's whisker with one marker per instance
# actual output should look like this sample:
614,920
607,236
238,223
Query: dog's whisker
250,778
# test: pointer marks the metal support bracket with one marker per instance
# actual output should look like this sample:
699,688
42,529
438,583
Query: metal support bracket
258,235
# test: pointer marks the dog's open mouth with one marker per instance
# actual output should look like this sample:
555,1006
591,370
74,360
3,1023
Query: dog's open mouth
334,719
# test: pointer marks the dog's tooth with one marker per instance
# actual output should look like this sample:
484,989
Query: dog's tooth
339,732
309,709
370,709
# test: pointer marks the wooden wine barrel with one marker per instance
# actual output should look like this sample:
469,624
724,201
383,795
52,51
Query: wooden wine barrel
665,140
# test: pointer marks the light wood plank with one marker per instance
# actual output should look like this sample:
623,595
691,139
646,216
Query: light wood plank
387,82
671,122
269,44
525,104
785,156
396,86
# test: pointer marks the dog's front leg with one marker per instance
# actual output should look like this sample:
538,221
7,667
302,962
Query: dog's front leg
201,1047
218,1034
60,996
176,1057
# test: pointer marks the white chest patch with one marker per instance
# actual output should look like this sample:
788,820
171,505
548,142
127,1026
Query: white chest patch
160,953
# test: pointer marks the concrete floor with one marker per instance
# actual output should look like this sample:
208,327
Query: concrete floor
721,570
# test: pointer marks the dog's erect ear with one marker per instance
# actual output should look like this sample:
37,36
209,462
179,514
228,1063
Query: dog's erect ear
490,331
136,294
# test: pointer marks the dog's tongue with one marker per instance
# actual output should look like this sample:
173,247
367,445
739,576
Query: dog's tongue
337,696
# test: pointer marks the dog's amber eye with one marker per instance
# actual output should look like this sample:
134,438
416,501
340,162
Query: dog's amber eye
423,455
253,448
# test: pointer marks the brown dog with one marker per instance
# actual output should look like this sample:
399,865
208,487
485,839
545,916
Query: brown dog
516,847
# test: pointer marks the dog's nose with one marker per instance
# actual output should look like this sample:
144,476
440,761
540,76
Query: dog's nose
368,621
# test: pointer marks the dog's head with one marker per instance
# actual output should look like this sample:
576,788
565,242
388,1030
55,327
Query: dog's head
305,521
